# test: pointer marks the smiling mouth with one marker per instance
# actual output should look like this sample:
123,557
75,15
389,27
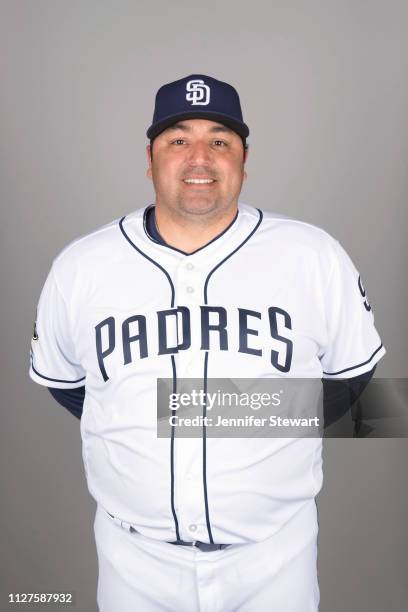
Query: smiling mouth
196,181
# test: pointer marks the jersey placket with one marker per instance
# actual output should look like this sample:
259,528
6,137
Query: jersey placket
190,504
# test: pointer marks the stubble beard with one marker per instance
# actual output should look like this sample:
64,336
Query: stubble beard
198,208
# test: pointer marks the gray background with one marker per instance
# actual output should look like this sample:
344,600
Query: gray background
324,89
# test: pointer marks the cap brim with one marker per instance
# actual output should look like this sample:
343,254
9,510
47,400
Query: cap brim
237,126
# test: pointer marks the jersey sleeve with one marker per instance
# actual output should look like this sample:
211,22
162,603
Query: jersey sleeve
53,361
353,344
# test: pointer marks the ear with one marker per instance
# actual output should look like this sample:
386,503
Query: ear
149,161
246,152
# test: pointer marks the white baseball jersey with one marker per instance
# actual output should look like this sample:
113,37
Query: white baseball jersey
269,297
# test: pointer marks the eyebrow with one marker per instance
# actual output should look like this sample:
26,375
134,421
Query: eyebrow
186,128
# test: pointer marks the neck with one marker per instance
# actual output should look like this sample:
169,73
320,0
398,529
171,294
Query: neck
189,234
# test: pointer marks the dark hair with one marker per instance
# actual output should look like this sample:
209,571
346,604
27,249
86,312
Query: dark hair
244,142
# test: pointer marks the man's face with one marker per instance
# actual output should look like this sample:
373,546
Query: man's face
192,150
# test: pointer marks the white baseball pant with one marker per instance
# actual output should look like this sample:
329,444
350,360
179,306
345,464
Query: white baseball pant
140,574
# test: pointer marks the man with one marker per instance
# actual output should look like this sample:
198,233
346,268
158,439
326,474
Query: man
199,285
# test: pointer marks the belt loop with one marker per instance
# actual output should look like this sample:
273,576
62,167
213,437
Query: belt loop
122,524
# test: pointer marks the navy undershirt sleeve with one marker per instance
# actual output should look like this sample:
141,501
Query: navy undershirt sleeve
71,399
339,395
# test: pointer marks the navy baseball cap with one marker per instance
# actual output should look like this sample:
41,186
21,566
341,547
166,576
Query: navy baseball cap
197,97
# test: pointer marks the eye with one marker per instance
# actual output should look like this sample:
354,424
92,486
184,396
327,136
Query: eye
222,143
178,140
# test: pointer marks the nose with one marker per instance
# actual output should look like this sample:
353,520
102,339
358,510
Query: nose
199,152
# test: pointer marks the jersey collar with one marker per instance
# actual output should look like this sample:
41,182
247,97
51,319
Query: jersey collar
150,227
135,231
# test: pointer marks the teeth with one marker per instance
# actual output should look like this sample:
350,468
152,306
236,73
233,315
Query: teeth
198,181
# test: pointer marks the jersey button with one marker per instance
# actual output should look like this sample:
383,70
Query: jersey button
190,290
192,528
190,266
